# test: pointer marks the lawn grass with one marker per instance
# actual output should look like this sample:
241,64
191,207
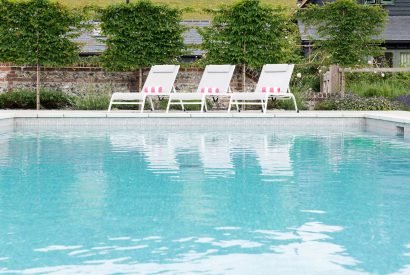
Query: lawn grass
389,88
197,5
369,84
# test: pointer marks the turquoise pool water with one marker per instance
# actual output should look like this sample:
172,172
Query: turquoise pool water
85,201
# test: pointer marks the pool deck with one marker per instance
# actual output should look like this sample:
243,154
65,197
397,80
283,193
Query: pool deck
392,116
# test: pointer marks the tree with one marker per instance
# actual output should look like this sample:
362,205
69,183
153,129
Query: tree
346,30
38,32
250,34
141,35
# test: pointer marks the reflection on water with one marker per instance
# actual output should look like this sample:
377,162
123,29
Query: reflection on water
236,202
212,152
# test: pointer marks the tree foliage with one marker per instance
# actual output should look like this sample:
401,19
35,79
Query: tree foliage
249,33
37,32
141,34
346,30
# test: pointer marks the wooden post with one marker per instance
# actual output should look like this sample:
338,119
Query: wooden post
334,79
331,80
325,87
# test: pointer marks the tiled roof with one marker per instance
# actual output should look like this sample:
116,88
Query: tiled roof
397,29
93,43
192,37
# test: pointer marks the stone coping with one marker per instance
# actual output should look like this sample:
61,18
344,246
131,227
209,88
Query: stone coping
391,116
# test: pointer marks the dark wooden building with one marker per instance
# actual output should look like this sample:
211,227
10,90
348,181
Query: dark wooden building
396,33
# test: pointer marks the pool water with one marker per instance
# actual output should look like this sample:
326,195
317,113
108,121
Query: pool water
88,201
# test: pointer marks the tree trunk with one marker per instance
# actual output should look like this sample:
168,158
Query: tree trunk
38,87
243,82
140,79
244,78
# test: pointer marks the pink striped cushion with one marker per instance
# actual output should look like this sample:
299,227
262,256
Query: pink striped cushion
271,90
210,90
153,89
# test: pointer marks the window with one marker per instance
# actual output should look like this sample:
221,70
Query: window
384,61
387,2
405,59
383,2
389,59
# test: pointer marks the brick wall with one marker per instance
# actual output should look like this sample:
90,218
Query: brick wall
82,80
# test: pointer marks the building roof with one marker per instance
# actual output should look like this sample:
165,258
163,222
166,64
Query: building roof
93,42
303,3
397,30
192,37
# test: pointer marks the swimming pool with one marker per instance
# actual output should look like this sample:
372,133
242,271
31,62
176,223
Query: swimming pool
80,200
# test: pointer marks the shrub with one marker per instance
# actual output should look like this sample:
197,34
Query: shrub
309,78
18,100
51,99
404,101
288,104
354,102
92,101
26,99
189,107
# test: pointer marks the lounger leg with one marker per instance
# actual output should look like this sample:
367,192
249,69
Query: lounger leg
142,105
237,105
182,105
266,104
152,104
110,106
202,105
263,106
169,104
294,102
230,105
206,105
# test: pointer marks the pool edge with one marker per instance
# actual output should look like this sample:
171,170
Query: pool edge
383,122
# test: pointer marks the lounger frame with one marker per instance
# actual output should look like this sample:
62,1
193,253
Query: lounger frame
209,78
261,99
154,78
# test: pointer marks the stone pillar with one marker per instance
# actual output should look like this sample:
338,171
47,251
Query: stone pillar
4,71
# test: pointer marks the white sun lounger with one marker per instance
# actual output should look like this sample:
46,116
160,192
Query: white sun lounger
273,83
214,82
160,82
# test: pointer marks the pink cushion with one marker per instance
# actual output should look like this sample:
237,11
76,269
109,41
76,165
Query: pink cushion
210,90
271,90
153,89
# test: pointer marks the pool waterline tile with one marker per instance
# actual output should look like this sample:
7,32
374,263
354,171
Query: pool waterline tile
385,122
